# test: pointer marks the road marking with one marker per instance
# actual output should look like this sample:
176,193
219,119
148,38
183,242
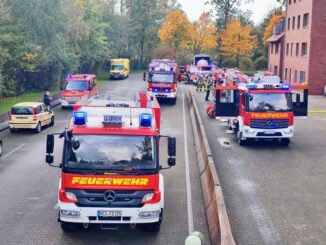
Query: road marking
16,149
189,198
317,111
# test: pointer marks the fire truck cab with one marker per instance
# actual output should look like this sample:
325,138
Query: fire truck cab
76,87
163,79
110,164
261,110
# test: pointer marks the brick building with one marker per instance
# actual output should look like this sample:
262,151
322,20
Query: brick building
301,48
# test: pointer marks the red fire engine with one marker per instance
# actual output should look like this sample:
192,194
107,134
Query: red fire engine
110,164
163,79
76,87
261,110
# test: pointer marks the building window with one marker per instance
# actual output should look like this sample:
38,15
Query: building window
305,20
287,49
275,70
293,23
294,1
291,49
289,1
295,76
299,20
272,48
276,48
297,50
289,23
304,49
286,74
290,75
302,77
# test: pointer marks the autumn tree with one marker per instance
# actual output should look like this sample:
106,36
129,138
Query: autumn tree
274,21
237,40
175,32
203,34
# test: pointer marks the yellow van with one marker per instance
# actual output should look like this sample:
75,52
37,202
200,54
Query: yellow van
119,69
30,115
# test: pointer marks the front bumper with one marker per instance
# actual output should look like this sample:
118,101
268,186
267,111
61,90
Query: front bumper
117,75
171,95
249,132
129,215
65,103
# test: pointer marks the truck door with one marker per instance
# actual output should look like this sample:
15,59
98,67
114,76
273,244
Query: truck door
300,102
227,101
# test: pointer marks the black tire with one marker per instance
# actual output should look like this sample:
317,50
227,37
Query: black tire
13,130
285,141
154,227
241,141
38,128
1,149
52,121
68,227
174,101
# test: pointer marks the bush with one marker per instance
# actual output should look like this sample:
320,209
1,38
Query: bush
229,62
246,64
261,63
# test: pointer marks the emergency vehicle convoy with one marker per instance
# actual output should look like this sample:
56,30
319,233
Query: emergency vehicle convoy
76,87
163,79
264,109
111,166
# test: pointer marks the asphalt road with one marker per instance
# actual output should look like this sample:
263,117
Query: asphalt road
28,186
273,194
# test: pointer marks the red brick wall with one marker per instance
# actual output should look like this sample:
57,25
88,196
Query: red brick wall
317,67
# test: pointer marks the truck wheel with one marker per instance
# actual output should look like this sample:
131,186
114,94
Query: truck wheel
173,101
240,140
285,141
38,128
13,130
52,121
1,149
154,227
67,226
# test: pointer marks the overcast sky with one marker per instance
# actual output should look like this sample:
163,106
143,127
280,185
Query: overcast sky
260,8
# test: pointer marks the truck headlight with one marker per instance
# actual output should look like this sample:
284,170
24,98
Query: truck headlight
249,131
148,197
149,214
69,213
71,196
288,131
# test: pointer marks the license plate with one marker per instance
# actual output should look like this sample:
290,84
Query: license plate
269,132
110,213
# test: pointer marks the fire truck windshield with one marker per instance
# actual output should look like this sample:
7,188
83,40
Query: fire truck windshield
111,153
76,86
162,77
270,102
117,67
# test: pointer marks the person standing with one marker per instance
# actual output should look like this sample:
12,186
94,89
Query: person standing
209,84
47,99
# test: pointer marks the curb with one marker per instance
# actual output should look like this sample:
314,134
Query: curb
216,214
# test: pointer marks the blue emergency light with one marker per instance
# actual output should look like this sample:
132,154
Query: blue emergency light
80,118
251,86
145,120
286,86
167,90
156,89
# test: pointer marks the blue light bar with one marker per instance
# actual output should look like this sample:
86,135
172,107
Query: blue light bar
145,120
167,90
80,118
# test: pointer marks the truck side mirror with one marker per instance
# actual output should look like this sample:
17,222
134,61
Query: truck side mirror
49,144
171,147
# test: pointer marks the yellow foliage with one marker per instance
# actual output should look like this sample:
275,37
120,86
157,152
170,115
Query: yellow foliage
237,40
274,20
203,34
176,30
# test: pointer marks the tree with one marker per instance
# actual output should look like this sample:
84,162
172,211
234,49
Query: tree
237,41
226,10
274,21
175,31
203,34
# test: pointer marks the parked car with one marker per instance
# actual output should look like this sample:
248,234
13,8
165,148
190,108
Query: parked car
30,115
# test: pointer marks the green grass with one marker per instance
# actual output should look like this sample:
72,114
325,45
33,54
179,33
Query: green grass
7,102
